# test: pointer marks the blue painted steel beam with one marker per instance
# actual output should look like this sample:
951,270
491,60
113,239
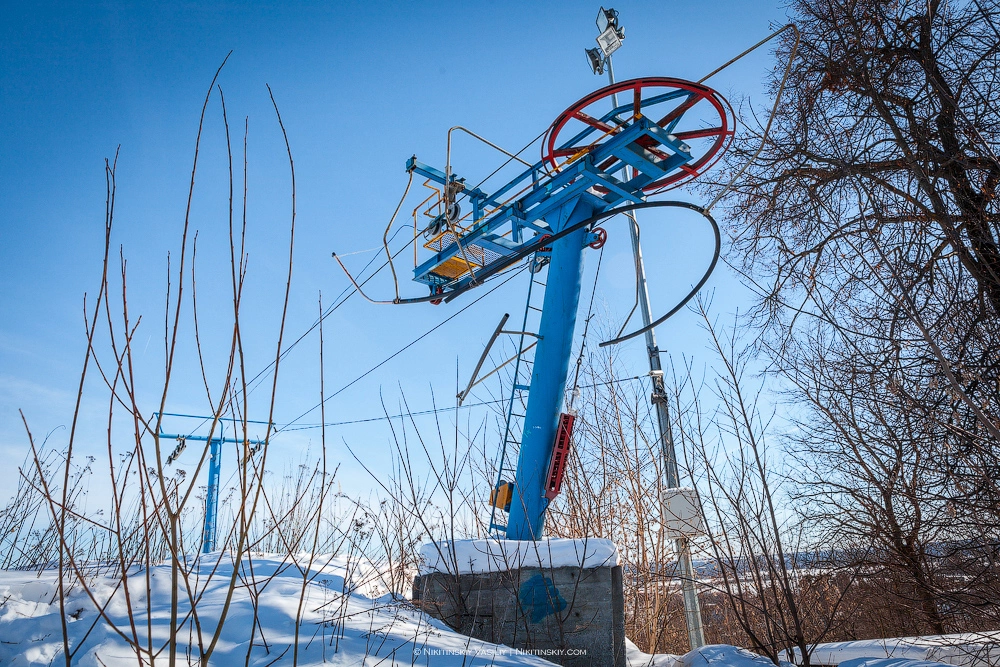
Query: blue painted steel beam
438,176
548,377
551,193
212,496
639,158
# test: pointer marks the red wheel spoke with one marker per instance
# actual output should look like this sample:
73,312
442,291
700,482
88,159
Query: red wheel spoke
650,145
637,100
698,134
607,163
658,153
680,110
593,122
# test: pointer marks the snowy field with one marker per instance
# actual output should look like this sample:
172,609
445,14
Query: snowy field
346,618
344,621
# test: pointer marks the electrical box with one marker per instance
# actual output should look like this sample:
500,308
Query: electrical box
501,496
681,513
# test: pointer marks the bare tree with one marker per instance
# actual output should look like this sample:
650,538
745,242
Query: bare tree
868,224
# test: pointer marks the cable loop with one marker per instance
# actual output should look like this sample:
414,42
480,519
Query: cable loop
694,290
385,238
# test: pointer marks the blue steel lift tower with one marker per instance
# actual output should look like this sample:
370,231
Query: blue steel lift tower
215,442
594,165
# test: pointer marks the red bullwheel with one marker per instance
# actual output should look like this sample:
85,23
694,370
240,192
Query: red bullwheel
691,112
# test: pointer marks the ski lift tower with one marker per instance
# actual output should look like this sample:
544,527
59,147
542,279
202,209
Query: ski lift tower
214,442
595,163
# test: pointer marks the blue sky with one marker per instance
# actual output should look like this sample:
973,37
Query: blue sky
361,87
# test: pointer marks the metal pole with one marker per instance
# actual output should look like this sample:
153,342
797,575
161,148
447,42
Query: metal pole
692,608
212,494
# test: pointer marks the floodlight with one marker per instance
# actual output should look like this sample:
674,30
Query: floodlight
596,59
606,18
609,40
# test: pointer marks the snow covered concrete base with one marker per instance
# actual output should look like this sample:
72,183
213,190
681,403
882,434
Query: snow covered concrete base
477,556
346,619
559,598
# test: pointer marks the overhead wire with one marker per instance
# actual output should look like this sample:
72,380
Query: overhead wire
706,211
717,251
586,328
385,236
355,286
774,108
635,304
416,340
493,173
419,413
348,291
435,411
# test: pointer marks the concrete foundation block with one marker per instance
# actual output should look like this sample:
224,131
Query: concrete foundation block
573,616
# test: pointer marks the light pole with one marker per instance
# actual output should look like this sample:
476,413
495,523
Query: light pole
608,41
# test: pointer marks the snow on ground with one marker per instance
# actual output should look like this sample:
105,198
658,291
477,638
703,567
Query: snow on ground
972,648
716,655
722,655
475,556
634,657
347,619
341,625
891,662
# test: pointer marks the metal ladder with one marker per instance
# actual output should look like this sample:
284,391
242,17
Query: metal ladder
521,381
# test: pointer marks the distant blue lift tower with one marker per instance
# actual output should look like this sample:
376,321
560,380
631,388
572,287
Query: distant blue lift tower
209,530
610,162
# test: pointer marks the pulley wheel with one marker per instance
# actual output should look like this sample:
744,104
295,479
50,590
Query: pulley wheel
693,113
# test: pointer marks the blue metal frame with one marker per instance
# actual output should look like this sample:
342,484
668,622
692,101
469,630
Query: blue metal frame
544,200
548,192
208,533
